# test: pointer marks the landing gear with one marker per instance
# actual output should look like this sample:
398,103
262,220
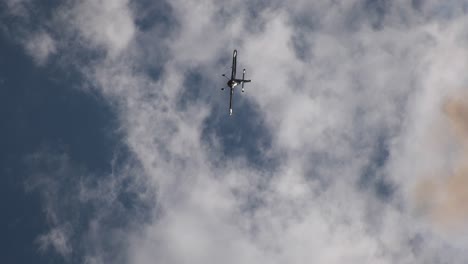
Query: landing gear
243,90
222,89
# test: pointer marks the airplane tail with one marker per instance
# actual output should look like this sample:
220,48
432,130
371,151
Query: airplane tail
244,80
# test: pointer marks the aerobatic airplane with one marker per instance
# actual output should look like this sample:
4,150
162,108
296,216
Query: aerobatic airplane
233,82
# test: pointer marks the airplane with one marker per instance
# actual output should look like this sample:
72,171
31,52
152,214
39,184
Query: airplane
233,82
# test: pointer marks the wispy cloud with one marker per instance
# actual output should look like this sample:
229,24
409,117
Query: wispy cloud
57,239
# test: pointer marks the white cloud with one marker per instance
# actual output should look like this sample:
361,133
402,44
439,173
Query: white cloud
327,115
105,24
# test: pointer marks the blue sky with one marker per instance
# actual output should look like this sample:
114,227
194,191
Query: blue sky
349,146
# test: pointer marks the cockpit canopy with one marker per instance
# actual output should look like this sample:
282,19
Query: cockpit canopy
232,83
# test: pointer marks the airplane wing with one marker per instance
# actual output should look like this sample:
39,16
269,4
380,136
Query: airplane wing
234,64
230,102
